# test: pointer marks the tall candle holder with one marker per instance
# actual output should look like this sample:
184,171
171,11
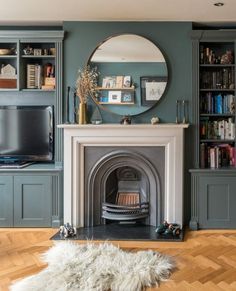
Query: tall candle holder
185,111
181,111
67,119
178,111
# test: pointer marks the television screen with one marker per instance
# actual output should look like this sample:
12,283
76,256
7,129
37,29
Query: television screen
26,133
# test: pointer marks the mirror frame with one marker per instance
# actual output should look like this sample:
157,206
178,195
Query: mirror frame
167,68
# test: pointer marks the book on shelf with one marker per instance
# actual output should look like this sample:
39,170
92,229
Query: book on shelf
34,76
211,103
217,156
218,79
223,129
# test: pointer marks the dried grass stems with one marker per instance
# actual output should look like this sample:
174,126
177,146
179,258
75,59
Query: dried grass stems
86,83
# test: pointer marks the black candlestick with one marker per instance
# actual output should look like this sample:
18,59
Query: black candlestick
67,105
75,115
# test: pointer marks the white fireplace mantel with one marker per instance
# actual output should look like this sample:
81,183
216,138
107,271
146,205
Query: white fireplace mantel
77,137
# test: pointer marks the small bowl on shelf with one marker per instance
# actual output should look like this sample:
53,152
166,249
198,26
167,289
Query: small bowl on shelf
5,52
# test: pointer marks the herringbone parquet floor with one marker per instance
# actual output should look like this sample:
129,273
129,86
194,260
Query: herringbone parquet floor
206,260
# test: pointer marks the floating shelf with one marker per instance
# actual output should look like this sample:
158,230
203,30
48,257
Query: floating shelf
116,89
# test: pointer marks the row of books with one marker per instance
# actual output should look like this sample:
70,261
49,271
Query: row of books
217,103
218,129
116,82
218,79
40,77
223,155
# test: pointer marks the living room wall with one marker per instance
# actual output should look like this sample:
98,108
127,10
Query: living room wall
173,38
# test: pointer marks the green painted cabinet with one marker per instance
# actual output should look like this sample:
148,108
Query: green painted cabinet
32,201
6,198
213,199
31,197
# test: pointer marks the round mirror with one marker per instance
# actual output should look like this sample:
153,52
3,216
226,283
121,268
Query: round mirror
133,74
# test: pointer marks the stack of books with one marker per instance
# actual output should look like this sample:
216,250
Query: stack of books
34,76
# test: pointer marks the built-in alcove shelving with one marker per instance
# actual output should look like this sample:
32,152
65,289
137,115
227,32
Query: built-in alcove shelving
214,175
31,74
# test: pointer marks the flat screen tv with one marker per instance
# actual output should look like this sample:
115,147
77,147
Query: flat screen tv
26,133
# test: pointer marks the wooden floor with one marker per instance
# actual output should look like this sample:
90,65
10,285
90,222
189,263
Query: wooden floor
206,260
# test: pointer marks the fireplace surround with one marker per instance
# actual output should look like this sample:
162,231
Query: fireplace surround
125,145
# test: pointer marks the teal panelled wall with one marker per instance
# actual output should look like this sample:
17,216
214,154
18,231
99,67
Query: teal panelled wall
173,38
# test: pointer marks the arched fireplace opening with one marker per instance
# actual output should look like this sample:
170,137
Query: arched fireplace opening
126,196
123,186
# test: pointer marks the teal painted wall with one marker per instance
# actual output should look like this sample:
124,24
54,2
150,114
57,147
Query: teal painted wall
173,38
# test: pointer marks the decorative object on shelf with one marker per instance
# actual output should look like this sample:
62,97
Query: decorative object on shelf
155,120
126,120
52,51
8,77
152,89
37,52
6,51
67,230
96,117
82,113
8,72
86,86
28,50
227,58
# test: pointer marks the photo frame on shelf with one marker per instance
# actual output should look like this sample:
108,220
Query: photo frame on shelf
127,97
152,88
114,97
109,82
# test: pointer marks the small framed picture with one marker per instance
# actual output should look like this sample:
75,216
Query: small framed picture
114,96
152,88
37,52
109,82
127,97
127,81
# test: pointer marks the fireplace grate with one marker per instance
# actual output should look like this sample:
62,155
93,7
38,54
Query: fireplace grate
127,207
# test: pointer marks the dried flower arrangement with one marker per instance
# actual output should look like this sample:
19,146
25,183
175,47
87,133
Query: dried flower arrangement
86,83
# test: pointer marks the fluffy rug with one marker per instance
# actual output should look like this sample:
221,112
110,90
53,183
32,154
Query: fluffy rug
91,267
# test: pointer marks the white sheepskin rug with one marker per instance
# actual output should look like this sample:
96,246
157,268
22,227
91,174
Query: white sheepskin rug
102,267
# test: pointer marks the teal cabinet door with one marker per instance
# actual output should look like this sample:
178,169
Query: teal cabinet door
32,201
6,201
217,202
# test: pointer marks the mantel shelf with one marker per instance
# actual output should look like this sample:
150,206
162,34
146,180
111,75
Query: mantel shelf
124,126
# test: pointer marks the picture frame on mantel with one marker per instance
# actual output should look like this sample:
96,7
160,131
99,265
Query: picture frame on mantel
152,88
